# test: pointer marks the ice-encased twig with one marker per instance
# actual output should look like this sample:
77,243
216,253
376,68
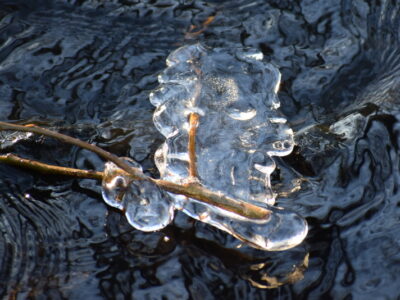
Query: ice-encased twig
148,208
246,210
239,129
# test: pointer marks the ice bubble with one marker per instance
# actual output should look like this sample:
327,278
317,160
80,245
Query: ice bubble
146,207
114,185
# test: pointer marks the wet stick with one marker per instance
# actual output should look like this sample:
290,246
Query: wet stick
73,141
43,168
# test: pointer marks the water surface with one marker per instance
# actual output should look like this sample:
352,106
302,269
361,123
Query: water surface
86,68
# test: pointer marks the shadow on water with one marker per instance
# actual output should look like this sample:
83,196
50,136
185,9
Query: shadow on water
86,68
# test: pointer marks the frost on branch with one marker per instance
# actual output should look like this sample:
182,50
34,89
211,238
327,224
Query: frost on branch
218,110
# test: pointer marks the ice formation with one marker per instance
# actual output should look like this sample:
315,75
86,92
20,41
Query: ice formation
146,207
218,110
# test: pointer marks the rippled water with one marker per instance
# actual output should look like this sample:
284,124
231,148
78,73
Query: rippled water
86,68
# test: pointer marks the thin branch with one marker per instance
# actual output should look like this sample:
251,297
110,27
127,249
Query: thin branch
193,123
73,141
43,168
191,190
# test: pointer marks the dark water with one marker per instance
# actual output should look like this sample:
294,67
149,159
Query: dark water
85,68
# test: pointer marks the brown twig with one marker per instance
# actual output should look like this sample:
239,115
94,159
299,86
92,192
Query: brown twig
73,141
193,123
191,190
43,168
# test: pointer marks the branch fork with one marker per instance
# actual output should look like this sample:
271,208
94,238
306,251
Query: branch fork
192,189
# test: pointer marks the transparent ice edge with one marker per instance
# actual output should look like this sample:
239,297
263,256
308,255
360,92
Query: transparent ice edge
281,230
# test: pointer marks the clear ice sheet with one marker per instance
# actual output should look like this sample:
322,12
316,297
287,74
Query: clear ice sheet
240,130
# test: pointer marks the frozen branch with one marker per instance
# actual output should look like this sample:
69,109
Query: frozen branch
191,190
